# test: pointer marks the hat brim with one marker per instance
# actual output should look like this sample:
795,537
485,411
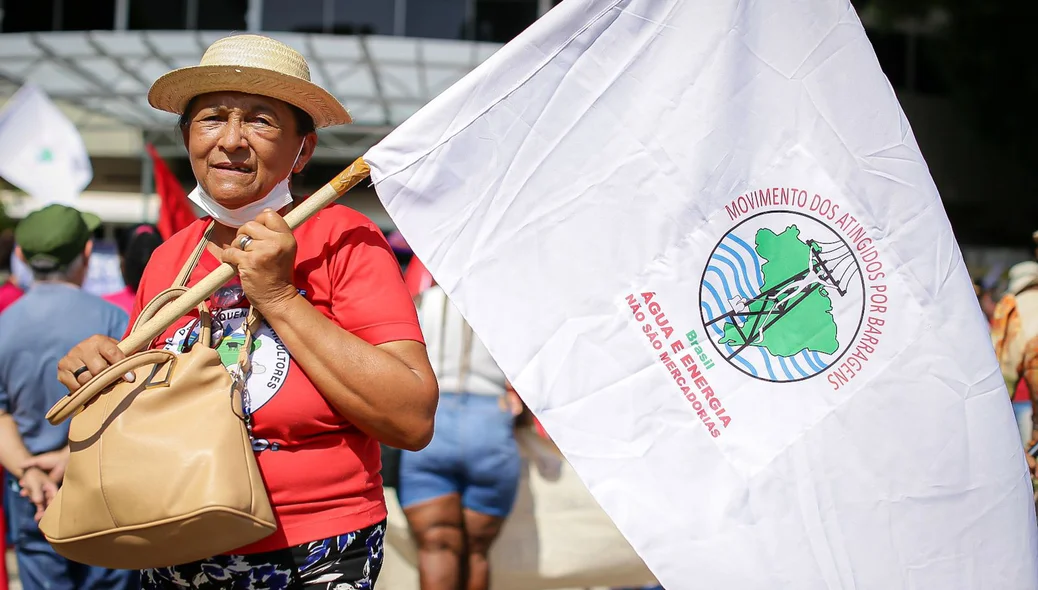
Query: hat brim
173,91
92,221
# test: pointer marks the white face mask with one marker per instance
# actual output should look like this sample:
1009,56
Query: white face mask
278,197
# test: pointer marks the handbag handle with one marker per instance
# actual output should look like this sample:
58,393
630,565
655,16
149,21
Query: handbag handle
179,287
156,304
164,317
69,404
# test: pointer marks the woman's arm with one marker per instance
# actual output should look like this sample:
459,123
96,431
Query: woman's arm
388,391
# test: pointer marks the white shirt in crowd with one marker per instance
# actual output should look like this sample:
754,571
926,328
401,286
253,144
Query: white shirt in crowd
461,362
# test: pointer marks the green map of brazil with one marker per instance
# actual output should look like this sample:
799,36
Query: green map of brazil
787,323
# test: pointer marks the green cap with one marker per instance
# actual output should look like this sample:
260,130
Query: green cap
54,236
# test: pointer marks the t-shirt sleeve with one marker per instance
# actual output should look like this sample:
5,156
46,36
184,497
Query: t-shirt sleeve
369,296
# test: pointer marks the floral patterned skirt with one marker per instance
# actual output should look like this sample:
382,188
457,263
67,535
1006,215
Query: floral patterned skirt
347,562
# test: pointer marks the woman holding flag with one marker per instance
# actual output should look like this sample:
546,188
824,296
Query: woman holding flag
339,362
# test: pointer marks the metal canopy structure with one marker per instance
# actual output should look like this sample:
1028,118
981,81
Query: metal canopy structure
106,75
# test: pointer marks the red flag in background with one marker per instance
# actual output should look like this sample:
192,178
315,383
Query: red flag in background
175,212
417,277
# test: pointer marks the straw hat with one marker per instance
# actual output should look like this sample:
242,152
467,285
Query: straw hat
1023,276
253,64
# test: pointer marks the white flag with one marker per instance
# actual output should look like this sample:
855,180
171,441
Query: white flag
41,151
700,239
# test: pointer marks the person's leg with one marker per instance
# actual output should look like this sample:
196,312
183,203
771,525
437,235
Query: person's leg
438,528
39,566
492,469
430,494
481,530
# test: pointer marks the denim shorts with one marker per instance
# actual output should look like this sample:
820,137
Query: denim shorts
473,453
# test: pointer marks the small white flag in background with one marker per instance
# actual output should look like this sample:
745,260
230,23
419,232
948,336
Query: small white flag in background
41,151
699,237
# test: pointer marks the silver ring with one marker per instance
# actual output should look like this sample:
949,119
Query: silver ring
244,241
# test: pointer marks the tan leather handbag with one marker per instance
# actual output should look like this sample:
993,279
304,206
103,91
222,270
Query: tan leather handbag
161,471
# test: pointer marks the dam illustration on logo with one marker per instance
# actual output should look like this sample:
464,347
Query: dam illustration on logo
782,296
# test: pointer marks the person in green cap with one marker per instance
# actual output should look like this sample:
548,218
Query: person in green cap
35,332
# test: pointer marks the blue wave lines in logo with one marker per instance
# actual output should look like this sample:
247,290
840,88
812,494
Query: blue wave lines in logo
735,270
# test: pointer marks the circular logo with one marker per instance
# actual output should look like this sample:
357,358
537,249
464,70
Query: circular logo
270,360
782,296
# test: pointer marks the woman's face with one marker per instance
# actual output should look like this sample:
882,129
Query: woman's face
242,145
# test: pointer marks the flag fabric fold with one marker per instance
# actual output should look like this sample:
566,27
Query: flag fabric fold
41,151
175,211
700,239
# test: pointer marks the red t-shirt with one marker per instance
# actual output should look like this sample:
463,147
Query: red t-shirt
323,478
123,299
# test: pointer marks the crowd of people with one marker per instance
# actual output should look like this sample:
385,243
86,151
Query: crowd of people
52,309
1012,313
52,316
371,366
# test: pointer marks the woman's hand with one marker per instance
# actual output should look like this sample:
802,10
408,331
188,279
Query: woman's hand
266,264
96,354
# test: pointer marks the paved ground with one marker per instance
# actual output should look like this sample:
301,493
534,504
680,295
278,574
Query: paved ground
12,572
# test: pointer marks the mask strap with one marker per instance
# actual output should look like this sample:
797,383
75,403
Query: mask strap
296,161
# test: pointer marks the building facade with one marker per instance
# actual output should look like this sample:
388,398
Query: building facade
384,59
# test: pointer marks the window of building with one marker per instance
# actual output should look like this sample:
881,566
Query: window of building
930,77
891,49
21,17
364,17
150,15
86,15
301,16
57,15
341,17
912,64
436,19
500,21
221,15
